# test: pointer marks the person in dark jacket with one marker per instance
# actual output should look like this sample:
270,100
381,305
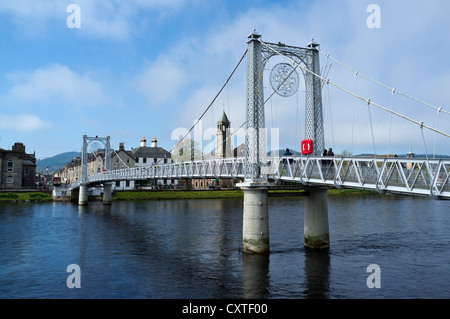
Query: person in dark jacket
324,162
330,152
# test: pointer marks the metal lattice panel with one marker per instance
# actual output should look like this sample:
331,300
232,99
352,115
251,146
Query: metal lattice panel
394,175
255,137
258,55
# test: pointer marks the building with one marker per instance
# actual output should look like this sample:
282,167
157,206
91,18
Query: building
123,159
17,168
224,149
146,156
143,156
120,159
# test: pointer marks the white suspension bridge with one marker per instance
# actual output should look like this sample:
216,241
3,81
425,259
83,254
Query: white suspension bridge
259,172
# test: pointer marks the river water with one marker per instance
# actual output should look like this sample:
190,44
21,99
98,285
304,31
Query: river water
192,249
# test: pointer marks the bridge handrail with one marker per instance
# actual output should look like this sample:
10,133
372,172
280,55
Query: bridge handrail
385,174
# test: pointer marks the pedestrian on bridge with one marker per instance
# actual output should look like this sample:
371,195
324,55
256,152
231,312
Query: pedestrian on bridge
330,152
330,162
324,162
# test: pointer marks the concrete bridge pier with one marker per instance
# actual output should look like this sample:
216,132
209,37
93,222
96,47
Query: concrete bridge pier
107,194
83,196
316,230
255,234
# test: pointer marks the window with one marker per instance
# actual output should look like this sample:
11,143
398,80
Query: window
26,172
145,160
155,160
165,161
128,160
117,160
127,183
117,183
9,179
137,159
10,165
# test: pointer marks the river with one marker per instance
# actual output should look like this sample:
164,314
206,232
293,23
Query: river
192,249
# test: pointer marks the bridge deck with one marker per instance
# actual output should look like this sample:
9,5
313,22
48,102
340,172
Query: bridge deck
394,175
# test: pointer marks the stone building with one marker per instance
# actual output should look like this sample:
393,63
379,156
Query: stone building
17,168
224,149
123,159
142,156
120,159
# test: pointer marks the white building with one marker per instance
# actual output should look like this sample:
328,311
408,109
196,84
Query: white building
146,156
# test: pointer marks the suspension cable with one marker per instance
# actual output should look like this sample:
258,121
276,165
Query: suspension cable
96,158
351,93
390,122
120,159
371,129
331,115
424,144
212,102
353,116
385,86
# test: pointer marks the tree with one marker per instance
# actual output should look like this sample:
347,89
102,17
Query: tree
346,153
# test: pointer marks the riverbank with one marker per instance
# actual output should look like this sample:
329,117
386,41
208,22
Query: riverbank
216,194
20,197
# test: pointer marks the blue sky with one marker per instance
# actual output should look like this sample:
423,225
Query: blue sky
148,68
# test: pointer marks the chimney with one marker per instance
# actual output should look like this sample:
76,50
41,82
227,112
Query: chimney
121,147
154,142
18,147
143,142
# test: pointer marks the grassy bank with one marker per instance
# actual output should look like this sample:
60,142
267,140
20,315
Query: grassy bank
349,192
177,194
214,194
25,197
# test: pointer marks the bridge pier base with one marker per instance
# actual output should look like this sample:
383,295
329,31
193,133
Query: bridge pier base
107,194
255,233
316,230
83,196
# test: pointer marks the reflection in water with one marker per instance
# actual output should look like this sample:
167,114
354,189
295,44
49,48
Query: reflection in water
317,273
191,249
255,270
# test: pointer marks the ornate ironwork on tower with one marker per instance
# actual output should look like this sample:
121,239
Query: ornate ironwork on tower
84,155
284,80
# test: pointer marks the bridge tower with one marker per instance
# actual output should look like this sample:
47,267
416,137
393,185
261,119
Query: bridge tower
107,187
256,185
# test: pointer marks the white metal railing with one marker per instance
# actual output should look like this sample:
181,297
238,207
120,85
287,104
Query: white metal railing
394,175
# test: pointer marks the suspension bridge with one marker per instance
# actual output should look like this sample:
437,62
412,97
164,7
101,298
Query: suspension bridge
258,171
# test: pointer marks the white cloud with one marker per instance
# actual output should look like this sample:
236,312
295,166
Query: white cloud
99,19
55,82
21,123
161,81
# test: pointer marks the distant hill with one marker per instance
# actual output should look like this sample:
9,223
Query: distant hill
55,163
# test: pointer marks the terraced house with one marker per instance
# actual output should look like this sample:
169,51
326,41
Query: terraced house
17,168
